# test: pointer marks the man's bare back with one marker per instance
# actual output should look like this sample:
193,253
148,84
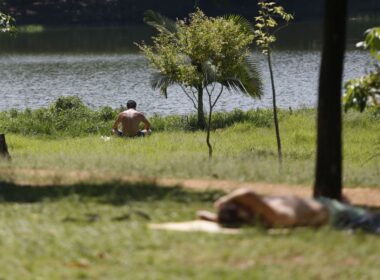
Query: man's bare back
245,206
130,121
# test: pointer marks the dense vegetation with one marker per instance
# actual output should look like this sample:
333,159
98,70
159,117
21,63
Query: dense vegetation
68,116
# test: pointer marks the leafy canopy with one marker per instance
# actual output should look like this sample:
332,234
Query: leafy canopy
201,50
267,24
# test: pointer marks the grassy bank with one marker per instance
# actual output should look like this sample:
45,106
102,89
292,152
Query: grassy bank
69,116
244,145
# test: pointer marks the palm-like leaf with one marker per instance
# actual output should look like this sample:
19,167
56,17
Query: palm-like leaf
242,21
246,78
247,73
162,82
160,22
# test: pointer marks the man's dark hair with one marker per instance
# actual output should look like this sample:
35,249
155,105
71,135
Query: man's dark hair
131,104
234,215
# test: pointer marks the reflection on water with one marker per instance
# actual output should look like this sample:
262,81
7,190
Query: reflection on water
297,36
76,40
35,81
308,35
103,68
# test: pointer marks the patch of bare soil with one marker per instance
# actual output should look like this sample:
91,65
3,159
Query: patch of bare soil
43,177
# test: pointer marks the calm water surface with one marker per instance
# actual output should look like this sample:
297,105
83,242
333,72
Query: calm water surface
102,67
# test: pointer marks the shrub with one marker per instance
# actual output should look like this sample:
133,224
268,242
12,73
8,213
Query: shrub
65,103
69,116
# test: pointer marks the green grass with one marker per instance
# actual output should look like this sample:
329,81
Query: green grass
73,232
98,230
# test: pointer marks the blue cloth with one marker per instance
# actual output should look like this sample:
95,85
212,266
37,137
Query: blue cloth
344,216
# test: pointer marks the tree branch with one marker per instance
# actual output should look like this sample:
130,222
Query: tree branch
192,100
217,98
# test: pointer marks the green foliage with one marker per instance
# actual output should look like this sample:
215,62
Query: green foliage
6,23
265,29
267,24
107,113
69,116
65,103
159,22
199,53
372,42
364,91
200,50
66,116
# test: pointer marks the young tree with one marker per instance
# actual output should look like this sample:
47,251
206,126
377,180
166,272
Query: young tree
161,80
328,181
203,54
266,28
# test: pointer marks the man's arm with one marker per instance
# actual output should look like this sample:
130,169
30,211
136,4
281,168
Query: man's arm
115,128
145,122
250,200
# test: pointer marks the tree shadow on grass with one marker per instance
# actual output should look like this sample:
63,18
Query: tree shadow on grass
116,193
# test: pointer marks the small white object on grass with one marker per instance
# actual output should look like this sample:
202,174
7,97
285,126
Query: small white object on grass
195,226
105,138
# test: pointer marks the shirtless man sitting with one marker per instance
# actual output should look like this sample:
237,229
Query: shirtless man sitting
130,121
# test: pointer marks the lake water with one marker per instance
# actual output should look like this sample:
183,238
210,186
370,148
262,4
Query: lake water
103,67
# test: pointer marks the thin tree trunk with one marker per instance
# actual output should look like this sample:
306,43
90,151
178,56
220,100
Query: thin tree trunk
4,148
278,138
328,181
201,115
208,134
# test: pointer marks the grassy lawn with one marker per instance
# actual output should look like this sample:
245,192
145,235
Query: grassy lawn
97,230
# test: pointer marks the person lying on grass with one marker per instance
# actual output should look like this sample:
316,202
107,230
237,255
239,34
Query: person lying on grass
130,120
245,207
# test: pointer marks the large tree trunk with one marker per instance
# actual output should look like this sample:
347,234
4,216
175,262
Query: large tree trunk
3,148
201,115
328,181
